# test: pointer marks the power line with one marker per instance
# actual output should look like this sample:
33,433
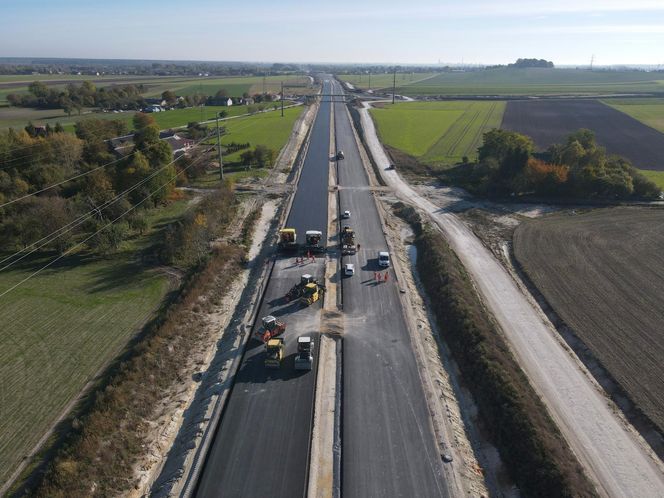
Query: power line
67,180
83,218
75,177
70,250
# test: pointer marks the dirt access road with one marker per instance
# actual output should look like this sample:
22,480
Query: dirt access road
613,454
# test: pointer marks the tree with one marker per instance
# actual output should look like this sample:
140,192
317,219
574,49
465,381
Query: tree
263,156
65,149
110,238
38,89
142,120
169,96
247,158
222,93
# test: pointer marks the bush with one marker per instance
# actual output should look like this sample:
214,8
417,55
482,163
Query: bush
530,445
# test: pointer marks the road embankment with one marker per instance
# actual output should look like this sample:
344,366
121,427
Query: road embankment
538,458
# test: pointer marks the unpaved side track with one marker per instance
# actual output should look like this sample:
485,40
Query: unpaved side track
613,454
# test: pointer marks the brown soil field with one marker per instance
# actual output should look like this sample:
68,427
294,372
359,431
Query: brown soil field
550,121
602,272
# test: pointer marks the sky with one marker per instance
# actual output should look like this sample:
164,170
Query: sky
362,31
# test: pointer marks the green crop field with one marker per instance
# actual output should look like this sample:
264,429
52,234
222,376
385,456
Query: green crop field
384,80
648,111
15,117
155,85
536,81
437,133
61,327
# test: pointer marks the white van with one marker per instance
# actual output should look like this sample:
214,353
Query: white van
384,259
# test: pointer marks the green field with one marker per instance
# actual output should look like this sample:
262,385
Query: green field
268,129
17,118
155,85
657,177
437,133
536,81
384,80
62,326
648,111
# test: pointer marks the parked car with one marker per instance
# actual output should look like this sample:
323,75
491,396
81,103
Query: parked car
349,269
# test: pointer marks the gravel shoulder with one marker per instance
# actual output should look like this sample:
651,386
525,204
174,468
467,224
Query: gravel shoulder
615,456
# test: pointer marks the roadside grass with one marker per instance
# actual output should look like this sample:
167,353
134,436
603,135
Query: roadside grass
384,80
536,81
437,133
268,129
649,111
107,439
62,326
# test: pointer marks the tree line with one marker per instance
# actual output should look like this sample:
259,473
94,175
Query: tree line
578,168
30,165
74,98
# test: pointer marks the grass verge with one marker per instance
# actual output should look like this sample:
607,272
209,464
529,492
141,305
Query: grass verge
107,440
531,446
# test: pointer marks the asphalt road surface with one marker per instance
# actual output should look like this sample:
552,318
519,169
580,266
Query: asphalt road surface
388,446
616,460
261,447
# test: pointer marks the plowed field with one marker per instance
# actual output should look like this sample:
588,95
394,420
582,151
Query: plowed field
549,121
603,274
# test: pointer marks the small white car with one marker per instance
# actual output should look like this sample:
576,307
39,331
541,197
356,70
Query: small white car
349,269
384,259
346,215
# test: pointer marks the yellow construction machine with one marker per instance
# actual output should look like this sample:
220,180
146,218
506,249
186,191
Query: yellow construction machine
311,293
274,352
287,239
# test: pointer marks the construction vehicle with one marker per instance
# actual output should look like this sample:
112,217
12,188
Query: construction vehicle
311,293
305,353
274,352
287,239
314,241
271,328
295,292
348,241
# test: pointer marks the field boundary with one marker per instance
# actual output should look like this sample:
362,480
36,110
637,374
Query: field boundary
627,407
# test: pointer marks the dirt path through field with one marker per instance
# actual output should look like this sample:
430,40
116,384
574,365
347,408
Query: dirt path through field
613,453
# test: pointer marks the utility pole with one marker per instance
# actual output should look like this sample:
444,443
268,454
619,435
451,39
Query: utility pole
221,164
592,61
369,80
394,83
282,99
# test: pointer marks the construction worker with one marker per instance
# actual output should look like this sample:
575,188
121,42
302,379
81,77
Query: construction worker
375,276
386,274
379,276
358,247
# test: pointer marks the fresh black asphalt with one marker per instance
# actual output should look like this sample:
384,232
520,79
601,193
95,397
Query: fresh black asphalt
261,448
388,445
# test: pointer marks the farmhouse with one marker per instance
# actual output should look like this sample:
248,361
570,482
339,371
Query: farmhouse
179,145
